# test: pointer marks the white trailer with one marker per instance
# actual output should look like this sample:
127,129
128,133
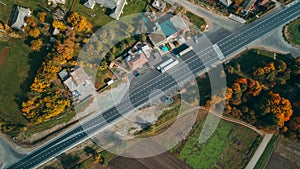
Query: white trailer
159,67
185,50
169,66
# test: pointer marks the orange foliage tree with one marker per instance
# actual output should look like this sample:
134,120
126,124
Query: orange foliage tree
36,44
35,32
42,16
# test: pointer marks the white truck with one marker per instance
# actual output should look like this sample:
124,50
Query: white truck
162,65
169,66
185,50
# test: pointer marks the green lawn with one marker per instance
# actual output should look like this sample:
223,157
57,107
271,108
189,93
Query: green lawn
134,7
5,11
96,16
16,75
101,76
294,32
251,59
99,16
230,146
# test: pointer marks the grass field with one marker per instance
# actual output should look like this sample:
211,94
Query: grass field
196,20
265,157
5,11
16,75
101,76
99,16
294,32
96,16
134,7
230,146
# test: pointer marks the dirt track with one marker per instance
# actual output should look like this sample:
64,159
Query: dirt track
3,56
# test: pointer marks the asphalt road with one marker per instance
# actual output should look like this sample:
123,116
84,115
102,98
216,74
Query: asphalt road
139,95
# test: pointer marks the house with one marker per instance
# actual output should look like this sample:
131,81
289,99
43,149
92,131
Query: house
227,3
264,2
116,6
79,83
90,4
57,1
136,60
159,4
55,31
168,29
18,17
151,55
248,6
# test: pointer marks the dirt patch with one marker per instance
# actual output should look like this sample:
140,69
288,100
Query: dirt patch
3,56
165,160
286,155
278,162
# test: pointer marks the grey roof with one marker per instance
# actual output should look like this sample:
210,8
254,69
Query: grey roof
159,4
226,2
18,17
116,5
178,23
118,10
58,1
247,4
90,4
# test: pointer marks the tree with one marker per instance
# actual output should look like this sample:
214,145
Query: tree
41,16
39,86
241,81
281,66
79,23
59,25
274,109
254,87
228,94
238,1
143,38
259,72
30,22
35,32
103,66
36,44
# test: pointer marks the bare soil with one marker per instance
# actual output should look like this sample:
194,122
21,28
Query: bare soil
286,155
3,56
165,160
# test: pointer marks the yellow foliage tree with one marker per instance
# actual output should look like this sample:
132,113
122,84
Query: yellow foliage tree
79,23
35,32
36,44
59,25
39,86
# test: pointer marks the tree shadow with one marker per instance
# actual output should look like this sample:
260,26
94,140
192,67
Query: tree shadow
35,60
67,160
89,150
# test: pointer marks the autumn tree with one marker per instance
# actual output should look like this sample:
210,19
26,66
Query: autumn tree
42,16
35,32
59,25
36,44
254,87
79,22
30,22
274,110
